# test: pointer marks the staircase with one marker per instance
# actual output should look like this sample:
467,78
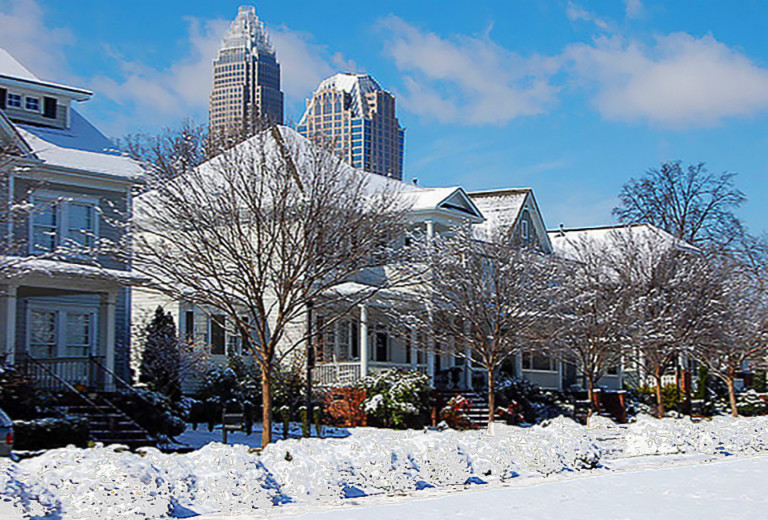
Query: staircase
478,402
108,424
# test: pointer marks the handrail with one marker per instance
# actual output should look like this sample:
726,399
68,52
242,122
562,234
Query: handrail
27,359
117,378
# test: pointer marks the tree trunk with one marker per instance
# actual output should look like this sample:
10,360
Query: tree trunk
591,394
491,400
266,414
732,396
659,399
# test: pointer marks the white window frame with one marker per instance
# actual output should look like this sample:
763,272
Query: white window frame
38,110
524,228
8,100
61,203
61,311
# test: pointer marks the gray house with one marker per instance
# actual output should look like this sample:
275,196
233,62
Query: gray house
62,310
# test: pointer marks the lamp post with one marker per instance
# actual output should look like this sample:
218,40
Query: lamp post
310,364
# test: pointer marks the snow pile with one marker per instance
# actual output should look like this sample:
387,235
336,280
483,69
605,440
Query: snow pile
720,435
385,461
113,483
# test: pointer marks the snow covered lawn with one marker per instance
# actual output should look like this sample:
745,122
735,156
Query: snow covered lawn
369,465
198,438
731,488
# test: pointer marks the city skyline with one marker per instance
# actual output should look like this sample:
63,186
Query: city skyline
571,97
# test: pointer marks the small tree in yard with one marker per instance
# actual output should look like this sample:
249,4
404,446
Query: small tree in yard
587,320
260,232
736,336
482,298
661,278
161,358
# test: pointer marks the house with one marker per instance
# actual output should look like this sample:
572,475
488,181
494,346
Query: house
64,312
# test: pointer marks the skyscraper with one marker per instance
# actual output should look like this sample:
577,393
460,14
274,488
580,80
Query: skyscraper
246,78
352,113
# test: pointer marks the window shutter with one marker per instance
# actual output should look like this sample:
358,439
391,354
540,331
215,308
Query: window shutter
49,108
3,94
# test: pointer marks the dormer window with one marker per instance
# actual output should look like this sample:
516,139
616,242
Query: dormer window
32,103
524,229
14,100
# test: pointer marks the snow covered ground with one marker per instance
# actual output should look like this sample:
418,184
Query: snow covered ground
197,438
374,466
731,488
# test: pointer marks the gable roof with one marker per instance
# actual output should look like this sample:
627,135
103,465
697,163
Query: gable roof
503,208
13,71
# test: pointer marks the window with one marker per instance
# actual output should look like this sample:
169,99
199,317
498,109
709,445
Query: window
217,334
79,334
32,103
344,337
524,228
14,100
57,221
44,225
42,333
534,361
381,346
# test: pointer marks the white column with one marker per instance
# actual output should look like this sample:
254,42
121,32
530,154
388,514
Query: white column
363,341
414,350
8,313
559,375
519,365
107,332
430,230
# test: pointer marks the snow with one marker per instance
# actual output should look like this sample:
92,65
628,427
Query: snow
501,208
724,489
68,269
378,466
12,68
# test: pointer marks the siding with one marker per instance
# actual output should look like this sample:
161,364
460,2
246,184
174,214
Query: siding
27,116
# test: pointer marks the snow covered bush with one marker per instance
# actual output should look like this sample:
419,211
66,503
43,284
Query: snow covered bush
534,403
153,411
161,357
236,384
397,398
751,403
344,406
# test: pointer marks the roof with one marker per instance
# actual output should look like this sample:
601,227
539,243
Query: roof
59,268
567,242
10,68
80,147
421,199
501,208
248,32
356,85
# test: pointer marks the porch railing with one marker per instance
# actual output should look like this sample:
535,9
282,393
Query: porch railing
330,374
59,374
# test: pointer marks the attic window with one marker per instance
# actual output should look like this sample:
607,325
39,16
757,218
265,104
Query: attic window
32,104
524,229
14,100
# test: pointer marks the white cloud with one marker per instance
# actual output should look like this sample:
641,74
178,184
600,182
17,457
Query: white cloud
634,8
37,46
575,13
466,80
680,81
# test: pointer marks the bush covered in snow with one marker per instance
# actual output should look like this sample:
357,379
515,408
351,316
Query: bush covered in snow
397,398
50,432
531,401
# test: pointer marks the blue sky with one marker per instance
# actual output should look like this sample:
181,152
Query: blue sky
571,98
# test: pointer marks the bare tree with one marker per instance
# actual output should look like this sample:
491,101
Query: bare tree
482,297
691,203
736,338
661,278
260,232
587,322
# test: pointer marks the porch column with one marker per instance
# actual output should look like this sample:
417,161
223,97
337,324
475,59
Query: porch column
8,315
107,332
430,340
363,340
559,375
467,357
414,350
519,364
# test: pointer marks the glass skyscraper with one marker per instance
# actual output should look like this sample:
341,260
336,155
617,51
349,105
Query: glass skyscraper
352,114
246,78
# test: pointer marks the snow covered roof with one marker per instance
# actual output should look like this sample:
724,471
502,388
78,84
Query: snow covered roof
420,199
501,208
59,268
567,242
11,69
247,32
80,147
356,85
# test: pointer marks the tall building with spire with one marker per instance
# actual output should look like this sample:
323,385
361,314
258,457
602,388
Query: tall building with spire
352,113
246,78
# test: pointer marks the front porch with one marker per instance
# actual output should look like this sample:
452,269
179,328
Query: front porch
59,323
